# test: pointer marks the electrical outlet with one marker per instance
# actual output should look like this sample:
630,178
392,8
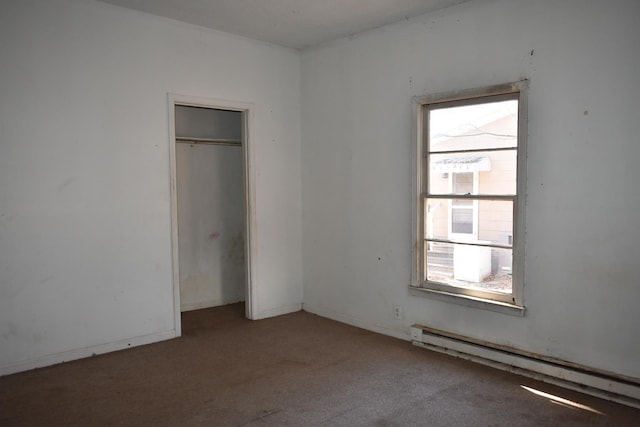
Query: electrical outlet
397,312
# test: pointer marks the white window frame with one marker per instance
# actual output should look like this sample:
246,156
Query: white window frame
502,302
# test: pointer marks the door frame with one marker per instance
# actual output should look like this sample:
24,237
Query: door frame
249,180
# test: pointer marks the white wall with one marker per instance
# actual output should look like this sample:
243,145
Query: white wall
582,283
85,226
210,198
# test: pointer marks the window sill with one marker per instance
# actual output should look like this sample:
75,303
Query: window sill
469,301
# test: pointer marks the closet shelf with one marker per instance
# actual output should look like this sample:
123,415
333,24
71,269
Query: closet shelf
208,141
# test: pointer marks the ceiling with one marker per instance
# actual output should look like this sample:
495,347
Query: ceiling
298,24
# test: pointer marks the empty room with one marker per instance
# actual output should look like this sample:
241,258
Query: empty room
340,213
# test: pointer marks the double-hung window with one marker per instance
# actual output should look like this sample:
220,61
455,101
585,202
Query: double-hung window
470,178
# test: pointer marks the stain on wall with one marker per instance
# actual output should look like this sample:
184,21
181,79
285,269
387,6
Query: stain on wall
235,254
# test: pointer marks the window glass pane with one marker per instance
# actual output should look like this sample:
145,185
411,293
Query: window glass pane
462,220
487,125
490,220
462,183
495,222
470,267
437,219
495,171
462,202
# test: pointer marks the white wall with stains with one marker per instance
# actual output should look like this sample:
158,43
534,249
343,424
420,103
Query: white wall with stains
85,242
85,223
582,280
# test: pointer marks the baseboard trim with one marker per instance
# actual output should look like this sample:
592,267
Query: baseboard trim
353,321
576,378
67,356
279,311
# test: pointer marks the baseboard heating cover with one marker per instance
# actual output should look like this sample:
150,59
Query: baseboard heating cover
554,371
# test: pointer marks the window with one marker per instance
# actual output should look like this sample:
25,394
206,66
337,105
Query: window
470,194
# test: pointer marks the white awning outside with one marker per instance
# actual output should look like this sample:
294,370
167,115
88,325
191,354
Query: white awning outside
462,164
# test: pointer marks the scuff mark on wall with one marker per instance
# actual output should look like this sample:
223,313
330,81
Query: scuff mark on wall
65,184
235,255
10,332
46,279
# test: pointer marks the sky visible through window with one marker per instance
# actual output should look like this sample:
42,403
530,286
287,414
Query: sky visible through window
445,123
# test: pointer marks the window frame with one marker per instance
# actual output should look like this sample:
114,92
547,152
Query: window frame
510,303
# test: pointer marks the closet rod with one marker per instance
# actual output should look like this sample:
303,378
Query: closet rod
208,141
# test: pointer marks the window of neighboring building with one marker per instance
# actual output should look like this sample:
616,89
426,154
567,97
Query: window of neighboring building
470,193
463,214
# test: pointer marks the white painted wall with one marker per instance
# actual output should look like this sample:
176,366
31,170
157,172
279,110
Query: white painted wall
85,226
582,283
210,198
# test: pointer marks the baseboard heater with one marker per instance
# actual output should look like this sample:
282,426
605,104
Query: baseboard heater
597,383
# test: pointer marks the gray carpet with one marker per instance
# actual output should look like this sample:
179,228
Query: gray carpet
293,370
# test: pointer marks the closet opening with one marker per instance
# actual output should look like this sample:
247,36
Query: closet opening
211,204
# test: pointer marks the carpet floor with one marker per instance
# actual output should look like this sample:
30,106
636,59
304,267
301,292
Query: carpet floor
293,370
